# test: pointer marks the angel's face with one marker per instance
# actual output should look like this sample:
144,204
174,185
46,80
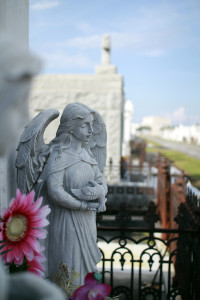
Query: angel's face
83,131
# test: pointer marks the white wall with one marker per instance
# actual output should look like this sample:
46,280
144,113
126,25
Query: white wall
156,123
182,133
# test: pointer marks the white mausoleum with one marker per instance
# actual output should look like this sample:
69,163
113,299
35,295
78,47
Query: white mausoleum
182,133
103,91
128,114
156,123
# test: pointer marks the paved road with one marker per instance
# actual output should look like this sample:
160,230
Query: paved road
191,150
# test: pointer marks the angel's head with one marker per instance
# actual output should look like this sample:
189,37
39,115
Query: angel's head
17,67
76,121
83,131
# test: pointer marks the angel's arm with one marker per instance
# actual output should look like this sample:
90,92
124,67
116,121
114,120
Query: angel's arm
59,196
100,179
103,189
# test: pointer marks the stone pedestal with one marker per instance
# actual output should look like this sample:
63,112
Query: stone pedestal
107,69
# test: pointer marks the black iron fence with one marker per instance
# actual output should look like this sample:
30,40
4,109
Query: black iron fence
145,268
141,260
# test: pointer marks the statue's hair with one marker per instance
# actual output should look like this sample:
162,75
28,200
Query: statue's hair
71,116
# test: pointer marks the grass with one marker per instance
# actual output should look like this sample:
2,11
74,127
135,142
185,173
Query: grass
189,165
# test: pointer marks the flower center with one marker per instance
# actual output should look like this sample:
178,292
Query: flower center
16,228
94,294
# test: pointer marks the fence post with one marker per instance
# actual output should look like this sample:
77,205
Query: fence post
163,193
187,264
178,196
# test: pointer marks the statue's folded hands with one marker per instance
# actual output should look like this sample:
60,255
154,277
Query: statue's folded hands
92,191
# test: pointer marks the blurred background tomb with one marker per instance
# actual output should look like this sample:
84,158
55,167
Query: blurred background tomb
102,91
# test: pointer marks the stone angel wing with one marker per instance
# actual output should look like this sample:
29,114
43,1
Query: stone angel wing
98,141
29,164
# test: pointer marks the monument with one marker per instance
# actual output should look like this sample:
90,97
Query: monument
102,91
71,180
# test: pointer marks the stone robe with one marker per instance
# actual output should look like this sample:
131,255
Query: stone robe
72,233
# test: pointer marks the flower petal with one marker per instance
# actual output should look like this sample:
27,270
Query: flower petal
19,261
81,293
36,205
44,211
6,214
105,289
18,194
22,203
34,244
35,266
10,256
39,256
12,204
40,223
30,197
89,279
18,255
36,271
28,251
29,201
38,233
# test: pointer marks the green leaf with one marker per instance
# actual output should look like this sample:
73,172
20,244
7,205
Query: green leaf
13,268
6,251
3,247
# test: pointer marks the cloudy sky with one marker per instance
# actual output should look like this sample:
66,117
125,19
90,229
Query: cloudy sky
155,46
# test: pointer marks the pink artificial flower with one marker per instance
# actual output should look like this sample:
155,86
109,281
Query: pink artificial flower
20,228
35,265
91,290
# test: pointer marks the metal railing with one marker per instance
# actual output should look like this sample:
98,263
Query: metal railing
141,260
141,267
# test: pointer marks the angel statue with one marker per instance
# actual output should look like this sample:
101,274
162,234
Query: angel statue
68,173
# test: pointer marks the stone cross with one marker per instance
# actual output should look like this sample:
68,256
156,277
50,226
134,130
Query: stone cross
106,46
